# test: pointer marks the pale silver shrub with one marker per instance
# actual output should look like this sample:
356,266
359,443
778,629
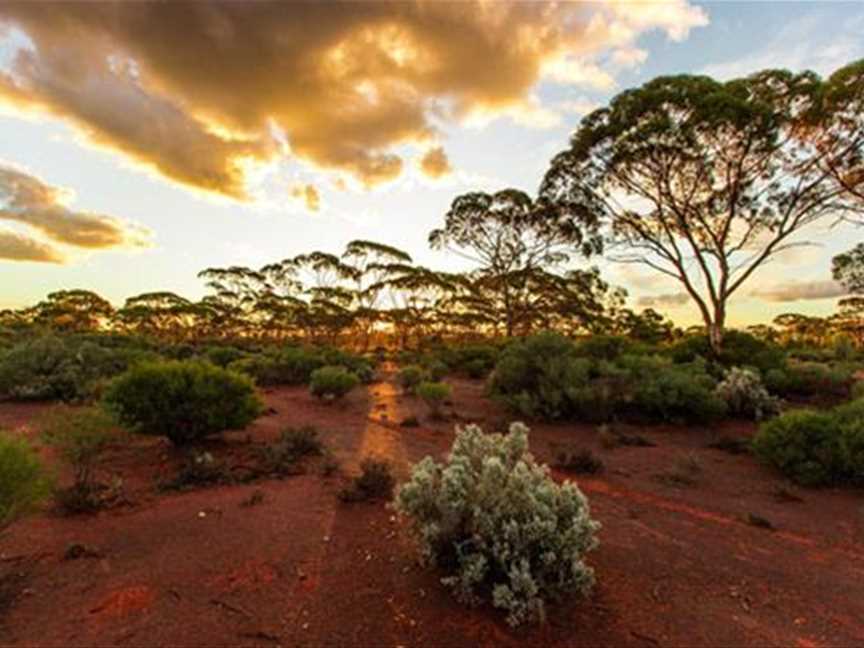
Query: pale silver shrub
746,395
494,520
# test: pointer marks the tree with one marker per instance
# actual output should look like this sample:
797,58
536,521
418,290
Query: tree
509,235
73,310
848,269
705,181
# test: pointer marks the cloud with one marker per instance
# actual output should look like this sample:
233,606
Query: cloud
665,300
200,91
435,163
18,247
800,291
812,42
308,194
27,200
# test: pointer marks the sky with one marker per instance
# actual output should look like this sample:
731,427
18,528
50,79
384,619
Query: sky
141,144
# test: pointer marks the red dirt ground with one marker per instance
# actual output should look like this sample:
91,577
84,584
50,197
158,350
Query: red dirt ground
678,565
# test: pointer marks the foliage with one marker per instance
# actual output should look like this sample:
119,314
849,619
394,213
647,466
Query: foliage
848,269
809,378
80,437
374,482
498,526
544,376
740,349
816,448
197,470
294,365
409,377
705,181
222,356
61,367
182,400
434,394
332,382
280,458
746,396
23,481
577,460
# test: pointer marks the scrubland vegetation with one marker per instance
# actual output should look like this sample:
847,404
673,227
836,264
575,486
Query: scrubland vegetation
525,336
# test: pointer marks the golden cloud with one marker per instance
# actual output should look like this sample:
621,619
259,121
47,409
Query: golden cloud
665,300
29,201
198,91
435,163
308,194
792,291
19,247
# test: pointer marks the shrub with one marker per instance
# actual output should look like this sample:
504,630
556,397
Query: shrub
23,482
69,369
808,379
332,382
746,396
374,482
857,390
286,366
603,347
281,457
182,400
660,391
80,437
498,526
578,460
224,356
739,349
804,445
540,376
197,470
434,394
409,377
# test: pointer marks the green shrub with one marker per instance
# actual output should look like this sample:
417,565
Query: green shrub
739,349
409,377
498,526
539,375
434,394
294,365
182,400
603,347
661,391
746,396
51,367
223,356
23,482
80,437
809,379
332,382
281,457
374,482
804,445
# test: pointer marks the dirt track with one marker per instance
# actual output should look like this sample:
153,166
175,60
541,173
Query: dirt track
678,565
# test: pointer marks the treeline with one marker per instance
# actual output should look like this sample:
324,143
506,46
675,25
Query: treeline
371,295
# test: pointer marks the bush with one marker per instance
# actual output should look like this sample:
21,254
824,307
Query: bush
23,483
374,482
295,365
746,396
808,379
50,368
224,356
182,400
498,526
816,448
806,446
857,390
281,457
409,377
660,391
80,437
739,349
332,382
434,394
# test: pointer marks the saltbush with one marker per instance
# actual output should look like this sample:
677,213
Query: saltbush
746,396
23,482
182,400
816,448
498,526
332,382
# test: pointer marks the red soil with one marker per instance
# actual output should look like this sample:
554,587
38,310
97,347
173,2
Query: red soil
678,565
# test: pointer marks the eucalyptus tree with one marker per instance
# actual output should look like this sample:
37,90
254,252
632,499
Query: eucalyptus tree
706,181
508,235
160,314
237,290
73,311
372,263
848,269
